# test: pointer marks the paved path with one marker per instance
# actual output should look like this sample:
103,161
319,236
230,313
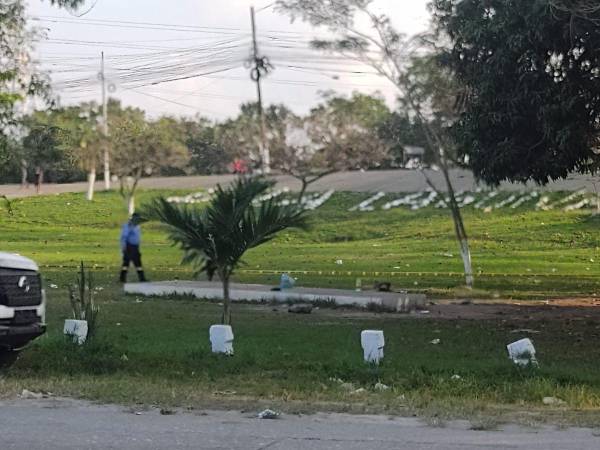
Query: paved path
62,424
373,181
258,292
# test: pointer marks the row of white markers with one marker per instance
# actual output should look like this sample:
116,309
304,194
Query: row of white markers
479,200
521,352
310,201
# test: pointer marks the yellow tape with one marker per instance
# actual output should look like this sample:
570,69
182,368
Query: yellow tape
345,273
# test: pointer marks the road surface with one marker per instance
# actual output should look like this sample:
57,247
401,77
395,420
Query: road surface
373,181
63,424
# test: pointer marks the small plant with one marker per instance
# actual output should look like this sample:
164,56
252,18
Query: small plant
81,296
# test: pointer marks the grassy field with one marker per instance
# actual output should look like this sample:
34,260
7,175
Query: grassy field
156,351
517,253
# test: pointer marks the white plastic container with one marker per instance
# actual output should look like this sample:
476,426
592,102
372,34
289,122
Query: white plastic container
221,339
77,330
372,342
522,352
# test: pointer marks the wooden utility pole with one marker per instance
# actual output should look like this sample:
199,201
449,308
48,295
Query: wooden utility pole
256,74
105,126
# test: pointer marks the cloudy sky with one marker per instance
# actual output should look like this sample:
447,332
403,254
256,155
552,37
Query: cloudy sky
186,57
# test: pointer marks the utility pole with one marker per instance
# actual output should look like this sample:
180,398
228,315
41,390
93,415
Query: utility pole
105,126
260,67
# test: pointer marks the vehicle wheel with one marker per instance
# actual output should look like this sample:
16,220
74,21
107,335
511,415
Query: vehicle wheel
7,358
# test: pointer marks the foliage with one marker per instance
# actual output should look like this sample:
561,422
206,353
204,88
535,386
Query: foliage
19,77
43,143
340,134
240,137
141,148
219,235
207,154
400,130
81,298
531,73
398,59
146,343
521,253
345,131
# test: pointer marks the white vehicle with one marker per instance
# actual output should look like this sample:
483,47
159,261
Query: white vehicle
22,304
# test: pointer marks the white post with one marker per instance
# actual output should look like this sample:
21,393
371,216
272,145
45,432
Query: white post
465,253
131,204
91,184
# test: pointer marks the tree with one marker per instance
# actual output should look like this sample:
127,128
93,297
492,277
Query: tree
43,145
340,134
391,54
531,71
399,131
218,236
141,148
84,141
241,137
19,77
207,155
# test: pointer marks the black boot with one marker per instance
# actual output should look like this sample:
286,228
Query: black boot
141,276
123,277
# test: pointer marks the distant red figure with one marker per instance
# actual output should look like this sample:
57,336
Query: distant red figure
239,166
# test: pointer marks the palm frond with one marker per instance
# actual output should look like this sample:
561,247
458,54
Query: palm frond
217,236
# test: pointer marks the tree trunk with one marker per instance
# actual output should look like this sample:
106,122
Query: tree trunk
24,181
459,228
131,203
91,183
106,169
302,189
465,254
39,180
226,302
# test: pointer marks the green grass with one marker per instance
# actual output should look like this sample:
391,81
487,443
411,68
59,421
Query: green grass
516,253
156,351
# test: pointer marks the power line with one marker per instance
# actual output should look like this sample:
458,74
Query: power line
165,26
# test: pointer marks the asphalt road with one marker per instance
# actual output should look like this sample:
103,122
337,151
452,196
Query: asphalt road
373,181
63,424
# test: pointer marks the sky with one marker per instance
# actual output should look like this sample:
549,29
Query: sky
186,57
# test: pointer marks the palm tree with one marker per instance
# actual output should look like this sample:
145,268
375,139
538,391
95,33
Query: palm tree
216,237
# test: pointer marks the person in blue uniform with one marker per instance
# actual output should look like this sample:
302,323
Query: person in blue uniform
131,236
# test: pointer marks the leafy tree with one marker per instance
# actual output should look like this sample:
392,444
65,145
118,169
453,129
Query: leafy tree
83,141
43,144
392,55
340,134
207,155
531,71
400,130
218,236
241,137
141,148
19,78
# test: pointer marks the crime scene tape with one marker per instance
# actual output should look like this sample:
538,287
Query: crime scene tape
348,273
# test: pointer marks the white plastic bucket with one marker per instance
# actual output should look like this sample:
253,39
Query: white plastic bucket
221,339
522,352
372,342
77,330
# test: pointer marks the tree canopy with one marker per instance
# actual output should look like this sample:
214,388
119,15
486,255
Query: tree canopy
531,71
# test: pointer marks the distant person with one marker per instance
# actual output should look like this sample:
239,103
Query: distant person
131,235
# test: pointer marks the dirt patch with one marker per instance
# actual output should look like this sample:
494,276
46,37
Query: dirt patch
514,311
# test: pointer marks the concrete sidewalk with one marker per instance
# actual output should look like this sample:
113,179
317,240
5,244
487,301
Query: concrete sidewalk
261,293
64,424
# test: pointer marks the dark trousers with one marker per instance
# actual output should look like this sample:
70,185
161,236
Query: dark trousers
132,254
